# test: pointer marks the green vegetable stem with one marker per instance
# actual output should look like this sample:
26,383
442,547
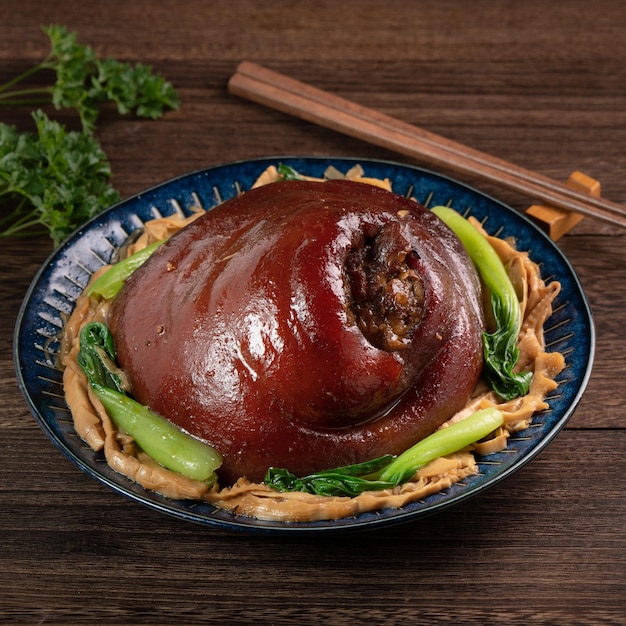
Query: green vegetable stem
160,439
500,347
388,471
441,443
108,284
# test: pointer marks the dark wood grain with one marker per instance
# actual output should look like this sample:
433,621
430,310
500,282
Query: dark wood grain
540,84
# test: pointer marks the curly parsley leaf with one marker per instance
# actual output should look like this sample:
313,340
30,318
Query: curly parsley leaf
84,81
134,88
54,180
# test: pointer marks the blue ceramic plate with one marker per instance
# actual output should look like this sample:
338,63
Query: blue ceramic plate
62,278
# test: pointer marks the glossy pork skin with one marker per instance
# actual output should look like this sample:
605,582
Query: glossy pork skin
304,325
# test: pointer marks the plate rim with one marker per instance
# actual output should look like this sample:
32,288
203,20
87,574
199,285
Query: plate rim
240,523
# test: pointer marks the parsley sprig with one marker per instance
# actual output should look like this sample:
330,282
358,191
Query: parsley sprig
84,81
53,180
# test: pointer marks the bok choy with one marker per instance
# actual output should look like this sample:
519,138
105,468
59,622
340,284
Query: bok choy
500,347
160,439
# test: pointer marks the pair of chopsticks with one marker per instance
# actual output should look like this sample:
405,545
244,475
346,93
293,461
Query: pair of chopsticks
285,94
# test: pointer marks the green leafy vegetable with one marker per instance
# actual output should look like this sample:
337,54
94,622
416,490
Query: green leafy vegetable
156,436
84,82
287,172
388,471
108,284
54,180
349,480
97,356
500,347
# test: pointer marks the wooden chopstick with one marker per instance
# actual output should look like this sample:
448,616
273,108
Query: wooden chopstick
288,95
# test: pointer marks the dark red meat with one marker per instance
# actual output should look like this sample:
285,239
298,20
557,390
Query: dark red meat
304,325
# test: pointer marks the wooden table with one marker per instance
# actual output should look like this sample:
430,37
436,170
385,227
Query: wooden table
540,84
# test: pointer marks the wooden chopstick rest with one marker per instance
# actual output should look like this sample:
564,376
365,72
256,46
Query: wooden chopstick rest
556,222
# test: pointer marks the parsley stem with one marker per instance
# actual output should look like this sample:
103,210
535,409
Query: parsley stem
20,228
26,233
14,97
11,217
21,77
19,103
